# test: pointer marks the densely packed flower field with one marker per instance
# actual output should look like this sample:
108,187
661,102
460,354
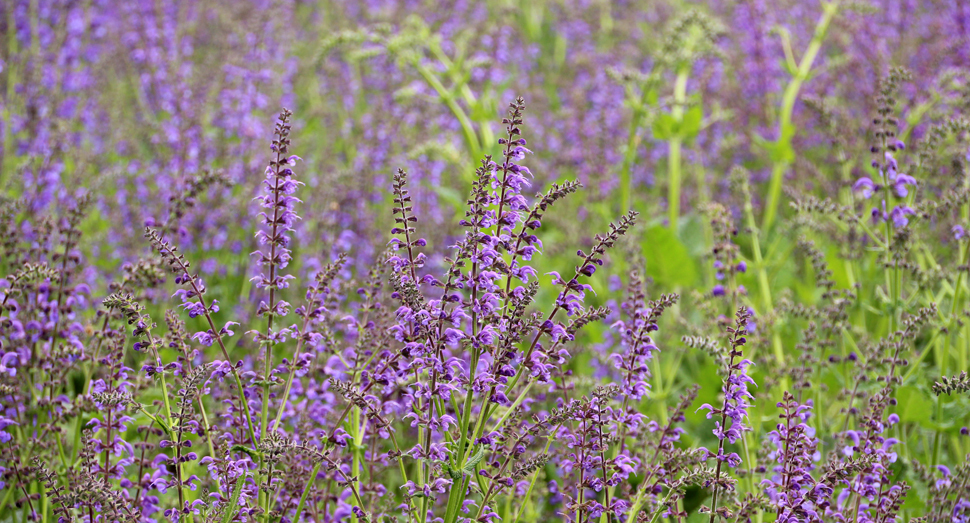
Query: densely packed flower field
512,260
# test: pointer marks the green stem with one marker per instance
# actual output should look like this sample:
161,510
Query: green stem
511,409
673,183
243,403
944,355
676,142
168,416
785,128
632,142
763,282
12,82
306,492
460,80
356,468
289,379
638,504
467,128
467,409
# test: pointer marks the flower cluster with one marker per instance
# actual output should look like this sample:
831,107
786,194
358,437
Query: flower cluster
792,487
891,182
735,406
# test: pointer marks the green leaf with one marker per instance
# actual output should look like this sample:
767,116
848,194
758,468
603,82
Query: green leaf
690,126
454,474
449,195
668,261
914,406
780,152
474,460
252,453
692,235
664,126
914,500
232,508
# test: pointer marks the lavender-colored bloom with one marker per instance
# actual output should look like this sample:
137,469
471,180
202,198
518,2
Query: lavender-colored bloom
735,405
791,487
865,187
899,215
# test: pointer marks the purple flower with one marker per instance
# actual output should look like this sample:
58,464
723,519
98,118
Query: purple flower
864,187
901,184
899,215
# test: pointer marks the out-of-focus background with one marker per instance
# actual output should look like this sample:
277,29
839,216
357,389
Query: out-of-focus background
131,100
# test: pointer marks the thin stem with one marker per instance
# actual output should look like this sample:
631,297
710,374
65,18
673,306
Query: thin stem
271,313
535,476
785,129
674,150
720,444
153,344
467,128
763,282
289,379
141,460
243,403
306,491
606,491
632,142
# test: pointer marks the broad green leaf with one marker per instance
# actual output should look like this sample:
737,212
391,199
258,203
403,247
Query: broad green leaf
692,235
691,124
780,152
914,406
668,261
474,460
915,498
232,508
252,453
664,126
449,195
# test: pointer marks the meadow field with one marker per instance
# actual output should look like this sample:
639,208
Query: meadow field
515,261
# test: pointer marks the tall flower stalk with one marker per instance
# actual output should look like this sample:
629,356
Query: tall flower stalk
782,152
277,218
735,405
